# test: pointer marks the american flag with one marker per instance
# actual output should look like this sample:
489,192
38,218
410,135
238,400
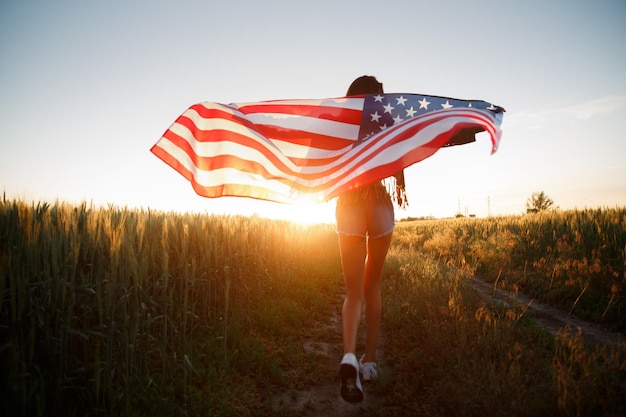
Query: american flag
289,150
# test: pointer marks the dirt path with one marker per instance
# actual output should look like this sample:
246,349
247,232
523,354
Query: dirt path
323,399
549,317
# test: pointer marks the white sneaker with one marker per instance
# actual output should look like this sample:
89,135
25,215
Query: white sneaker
351,388
369,370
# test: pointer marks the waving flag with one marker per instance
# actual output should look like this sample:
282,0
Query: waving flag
287,150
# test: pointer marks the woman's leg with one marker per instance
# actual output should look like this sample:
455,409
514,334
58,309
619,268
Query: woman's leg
376,254
353,253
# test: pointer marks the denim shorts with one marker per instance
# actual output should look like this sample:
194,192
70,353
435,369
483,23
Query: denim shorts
372,216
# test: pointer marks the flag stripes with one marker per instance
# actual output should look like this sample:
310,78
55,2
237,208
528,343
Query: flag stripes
286,150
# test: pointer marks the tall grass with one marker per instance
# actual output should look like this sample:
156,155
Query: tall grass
455,354
110,311
105,310
575,260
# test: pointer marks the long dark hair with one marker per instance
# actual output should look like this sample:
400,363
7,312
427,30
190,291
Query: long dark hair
368,84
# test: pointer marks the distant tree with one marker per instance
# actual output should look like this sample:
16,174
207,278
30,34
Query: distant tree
538,201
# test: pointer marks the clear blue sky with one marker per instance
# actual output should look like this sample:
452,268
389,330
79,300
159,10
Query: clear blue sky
86,88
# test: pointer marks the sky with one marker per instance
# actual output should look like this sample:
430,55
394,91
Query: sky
86,88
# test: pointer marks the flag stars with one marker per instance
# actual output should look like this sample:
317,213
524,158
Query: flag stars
385,111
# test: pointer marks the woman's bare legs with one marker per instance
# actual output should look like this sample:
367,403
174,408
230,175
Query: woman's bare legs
376,254
362,264
353,253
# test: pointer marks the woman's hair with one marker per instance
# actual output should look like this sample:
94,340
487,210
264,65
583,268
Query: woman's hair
365,84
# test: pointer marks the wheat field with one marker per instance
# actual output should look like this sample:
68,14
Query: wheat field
113,311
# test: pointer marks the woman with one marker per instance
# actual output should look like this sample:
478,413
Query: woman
365,223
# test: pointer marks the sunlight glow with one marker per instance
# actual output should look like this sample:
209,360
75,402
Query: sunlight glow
303,212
